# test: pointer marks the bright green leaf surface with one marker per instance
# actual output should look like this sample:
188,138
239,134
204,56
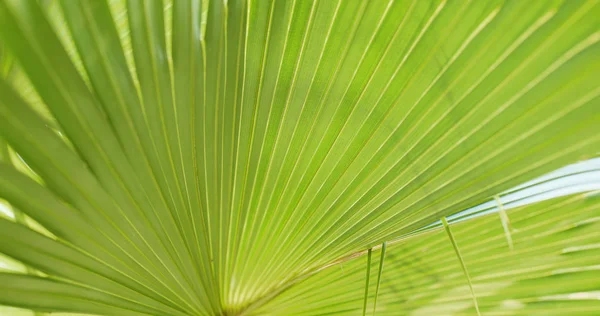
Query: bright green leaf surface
193,157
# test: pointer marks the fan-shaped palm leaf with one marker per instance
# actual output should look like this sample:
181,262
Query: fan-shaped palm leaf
216,157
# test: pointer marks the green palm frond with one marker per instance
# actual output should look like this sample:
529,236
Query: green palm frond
552,270
193,157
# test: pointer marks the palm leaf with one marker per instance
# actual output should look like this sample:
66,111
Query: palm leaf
552,270
218,157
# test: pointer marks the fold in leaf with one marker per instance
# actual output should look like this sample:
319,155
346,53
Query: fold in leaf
367,281
462,262
505,222
379,273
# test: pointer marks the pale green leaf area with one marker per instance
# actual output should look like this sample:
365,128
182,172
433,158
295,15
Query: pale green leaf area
552,270
242,157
